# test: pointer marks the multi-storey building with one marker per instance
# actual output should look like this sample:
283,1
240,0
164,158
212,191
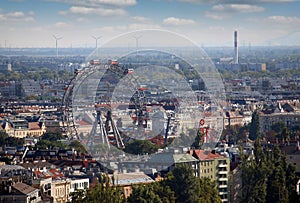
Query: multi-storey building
166,161
291,120
21,128
30,88
217,168
79,184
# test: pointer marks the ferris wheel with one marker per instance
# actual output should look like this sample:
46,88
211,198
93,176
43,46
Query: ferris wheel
142,94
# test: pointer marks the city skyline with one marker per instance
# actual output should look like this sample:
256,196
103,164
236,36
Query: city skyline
33,23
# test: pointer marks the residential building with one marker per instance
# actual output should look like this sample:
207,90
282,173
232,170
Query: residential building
11,174
8,89
166,161
21,128
79,184
60,190
60,185
292,152
30,88
216,167
128,180
291,120
23,193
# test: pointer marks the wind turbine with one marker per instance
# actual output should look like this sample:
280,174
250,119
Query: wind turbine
137,42
96,38
56,40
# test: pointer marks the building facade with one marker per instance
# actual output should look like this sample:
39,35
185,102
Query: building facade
215,167
291,120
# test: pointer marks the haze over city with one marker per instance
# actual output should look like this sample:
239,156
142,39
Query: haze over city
25,23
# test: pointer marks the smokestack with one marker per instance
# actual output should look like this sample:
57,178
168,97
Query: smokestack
236,53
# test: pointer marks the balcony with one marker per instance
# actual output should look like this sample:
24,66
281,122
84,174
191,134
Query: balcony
222,186
223,193
223,179
222,172
222,165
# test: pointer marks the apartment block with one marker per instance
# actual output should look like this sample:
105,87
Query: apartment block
216,167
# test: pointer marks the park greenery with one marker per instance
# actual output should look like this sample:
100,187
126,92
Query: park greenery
51,140
140,147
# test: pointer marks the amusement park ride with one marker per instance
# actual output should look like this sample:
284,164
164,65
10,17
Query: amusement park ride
104,129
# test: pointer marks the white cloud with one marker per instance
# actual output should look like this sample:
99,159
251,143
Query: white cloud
61,25
178,21
215,15
17,16
82,20
141,26
284,20
96,3
95,11
239,8
31,13
216,28
140,19
235,1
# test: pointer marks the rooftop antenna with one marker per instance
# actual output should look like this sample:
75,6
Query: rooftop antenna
56,40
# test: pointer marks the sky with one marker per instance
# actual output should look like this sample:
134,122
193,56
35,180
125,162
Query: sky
34,23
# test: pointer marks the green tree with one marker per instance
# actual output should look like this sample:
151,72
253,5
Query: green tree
266,177
78,196
277,191
52,136
105,191
198,143
254,126
188,188
278,127
47,144
3,137
208,191
77,146
183,182
254,176
6,140
140,147
144,194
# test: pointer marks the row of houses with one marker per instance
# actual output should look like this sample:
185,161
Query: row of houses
56,179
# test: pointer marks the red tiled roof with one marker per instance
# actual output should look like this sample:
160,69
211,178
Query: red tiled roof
204,155
50,173
34,126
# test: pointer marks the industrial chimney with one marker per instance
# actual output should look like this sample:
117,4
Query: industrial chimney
236,53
